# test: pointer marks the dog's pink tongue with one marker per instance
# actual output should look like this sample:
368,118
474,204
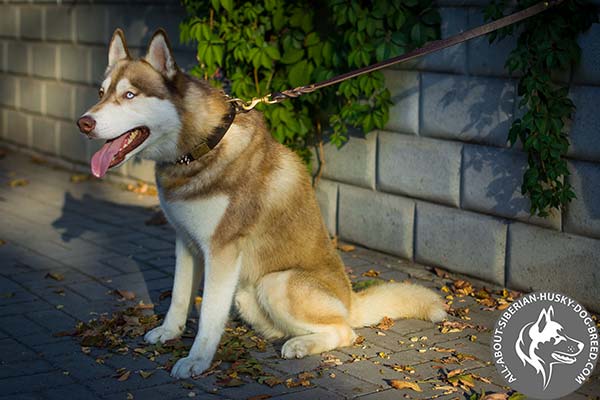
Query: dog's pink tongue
102,158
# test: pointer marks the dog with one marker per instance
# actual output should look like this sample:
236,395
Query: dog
543,344
246,206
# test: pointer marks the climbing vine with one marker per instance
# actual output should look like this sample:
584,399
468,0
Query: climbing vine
254,48
546,50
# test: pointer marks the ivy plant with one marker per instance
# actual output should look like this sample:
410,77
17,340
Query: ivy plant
273,45
546,51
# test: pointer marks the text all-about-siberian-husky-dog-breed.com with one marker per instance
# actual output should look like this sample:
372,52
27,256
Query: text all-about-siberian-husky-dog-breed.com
245,202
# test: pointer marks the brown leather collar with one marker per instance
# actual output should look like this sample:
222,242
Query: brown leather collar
212,141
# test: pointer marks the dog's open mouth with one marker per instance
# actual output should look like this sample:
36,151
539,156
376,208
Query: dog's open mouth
114,151
563,358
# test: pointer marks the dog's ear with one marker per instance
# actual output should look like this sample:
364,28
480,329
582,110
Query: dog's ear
160,55
544,318
117,49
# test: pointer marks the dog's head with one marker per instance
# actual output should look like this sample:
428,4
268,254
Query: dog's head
544,343
137,105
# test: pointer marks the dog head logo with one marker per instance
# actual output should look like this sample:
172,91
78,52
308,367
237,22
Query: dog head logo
543,344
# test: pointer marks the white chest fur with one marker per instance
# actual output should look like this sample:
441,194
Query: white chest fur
196,219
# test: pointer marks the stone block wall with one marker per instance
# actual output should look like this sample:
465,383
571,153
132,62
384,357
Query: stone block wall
439,185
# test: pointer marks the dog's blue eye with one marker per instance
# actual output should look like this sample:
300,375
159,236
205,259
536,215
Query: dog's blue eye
129,95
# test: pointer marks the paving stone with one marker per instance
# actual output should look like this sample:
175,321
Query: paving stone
75,391
53,320
419,167
327,195
467,109
376,220
344,385
491,184
538,259
13,351
110,385
17,325
166,391
404,91
462,241
310,394
34,383
10,368
582,216
354,162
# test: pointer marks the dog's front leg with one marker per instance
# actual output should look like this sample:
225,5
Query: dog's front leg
221,274
184,284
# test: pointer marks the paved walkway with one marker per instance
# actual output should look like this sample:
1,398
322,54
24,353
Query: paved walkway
74,249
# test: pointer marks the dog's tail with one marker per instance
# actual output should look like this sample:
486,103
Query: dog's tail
395,300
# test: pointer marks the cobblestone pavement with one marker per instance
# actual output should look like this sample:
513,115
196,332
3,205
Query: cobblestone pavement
67,246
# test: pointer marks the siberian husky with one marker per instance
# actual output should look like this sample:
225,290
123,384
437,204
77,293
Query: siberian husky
245,202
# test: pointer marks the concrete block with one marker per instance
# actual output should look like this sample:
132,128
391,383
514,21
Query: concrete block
466,109
72,144
31,22
32,93
91,24
404,88
17,127
327,197
8,90
419,167
59,23
8,21
354,162
18,61
43,60
583,135
98,63
74,63
541,259
485,58
43,134
588,70
491,183
376,220
141,169
461,241
59,100
85,97
452,59
583,213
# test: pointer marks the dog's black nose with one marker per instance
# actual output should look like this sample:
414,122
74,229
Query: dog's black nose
86,124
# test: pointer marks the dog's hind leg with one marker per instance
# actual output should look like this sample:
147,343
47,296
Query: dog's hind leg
247,305
304,308
184,285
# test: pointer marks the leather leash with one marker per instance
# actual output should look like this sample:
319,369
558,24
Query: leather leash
240,106
277,97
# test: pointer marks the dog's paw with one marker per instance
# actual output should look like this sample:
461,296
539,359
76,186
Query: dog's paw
437,313
294,348
161,334
188,367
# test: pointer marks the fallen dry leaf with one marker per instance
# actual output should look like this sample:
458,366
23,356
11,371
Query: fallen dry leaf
371,273
125,294
495,396
2,242
385,324
124,376
347,248
78,178
55,275
260,397
164,295
18,182
398,384
146,374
